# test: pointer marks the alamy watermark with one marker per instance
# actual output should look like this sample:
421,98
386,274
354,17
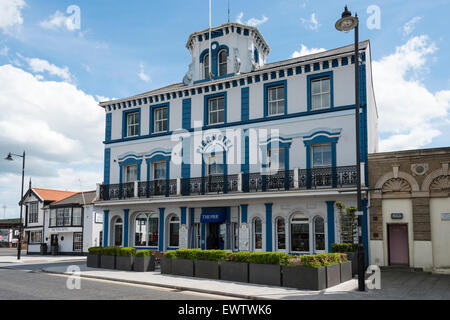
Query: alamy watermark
374,280
74,280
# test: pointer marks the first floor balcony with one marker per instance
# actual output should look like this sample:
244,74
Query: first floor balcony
297,179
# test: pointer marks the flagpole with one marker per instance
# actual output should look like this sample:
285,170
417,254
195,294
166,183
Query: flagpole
210,26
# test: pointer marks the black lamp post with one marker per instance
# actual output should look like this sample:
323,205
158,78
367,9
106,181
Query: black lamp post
347,23
10,158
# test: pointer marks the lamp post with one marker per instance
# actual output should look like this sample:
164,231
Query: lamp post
347,23
10,158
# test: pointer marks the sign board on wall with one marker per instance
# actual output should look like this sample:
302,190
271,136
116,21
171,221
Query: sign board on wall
183,237
98,217
445,216
397,216
244,237
64,230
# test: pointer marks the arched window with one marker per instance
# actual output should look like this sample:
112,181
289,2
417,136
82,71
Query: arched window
319,234
223,63
281,234
146,230
206,66
299,233
257,240
174,232
118,232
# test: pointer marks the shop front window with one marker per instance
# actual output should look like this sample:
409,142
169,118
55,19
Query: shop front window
281,234
257,225
319,234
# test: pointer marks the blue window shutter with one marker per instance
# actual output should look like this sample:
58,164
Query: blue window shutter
187,104
245,98
108,127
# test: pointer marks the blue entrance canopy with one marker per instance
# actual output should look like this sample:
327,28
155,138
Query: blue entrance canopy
213,215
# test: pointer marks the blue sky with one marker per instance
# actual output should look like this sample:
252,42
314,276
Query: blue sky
52,76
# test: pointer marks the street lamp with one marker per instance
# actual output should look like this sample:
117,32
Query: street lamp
10,158
347,23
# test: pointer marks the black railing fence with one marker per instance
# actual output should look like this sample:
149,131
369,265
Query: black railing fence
316,178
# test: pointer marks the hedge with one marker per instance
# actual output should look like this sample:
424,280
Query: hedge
143,253
127,252
110,251
321,260
96,251
221,255
344,247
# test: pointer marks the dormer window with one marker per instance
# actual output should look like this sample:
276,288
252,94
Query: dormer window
206,66
222,63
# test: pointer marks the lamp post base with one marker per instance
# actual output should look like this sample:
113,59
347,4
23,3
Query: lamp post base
361,268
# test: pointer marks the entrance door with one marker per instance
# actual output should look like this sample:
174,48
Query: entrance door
398,244
54,240
212,240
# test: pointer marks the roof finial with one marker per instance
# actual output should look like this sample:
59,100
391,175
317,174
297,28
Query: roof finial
30,184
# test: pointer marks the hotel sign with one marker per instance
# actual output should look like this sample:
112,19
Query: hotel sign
64,230
397,216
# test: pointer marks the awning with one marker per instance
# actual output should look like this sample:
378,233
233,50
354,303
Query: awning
213,215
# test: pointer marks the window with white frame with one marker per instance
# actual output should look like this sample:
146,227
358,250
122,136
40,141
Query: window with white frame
276,100
320,93
130,173
35,237
299,233
215,163
133,124
33,213
159,170
281,233
257,234
235,237
146,230
322,155
197,236
276,159
174,232
319,234
161,117
78,242
216,110
52,217
60,217
222,62
67,217
206,66
76,217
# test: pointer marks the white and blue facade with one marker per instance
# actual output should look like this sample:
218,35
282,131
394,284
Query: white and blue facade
240,156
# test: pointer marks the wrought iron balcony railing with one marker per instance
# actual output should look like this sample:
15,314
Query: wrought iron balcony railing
329,177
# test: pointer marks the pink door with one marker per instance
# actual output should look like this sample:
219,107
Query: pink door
398,244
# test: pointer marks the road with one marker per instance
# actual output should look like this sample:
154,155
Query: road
25,282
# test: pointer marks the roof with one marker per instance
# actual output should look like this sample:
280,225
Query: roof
328,54
52,195
80,198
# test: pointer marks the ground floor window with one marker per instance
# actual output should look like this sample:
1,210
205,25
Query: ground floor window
174,232
146,230
319,234
299,233
196,236
78,242
35,237
118,232
235,237
281,234
257,227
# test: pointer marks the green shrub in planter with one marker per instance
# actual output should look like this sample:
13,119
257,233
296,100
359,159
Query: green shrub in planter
170,255
143,253
127,252
94,257
322,260
211,255
277,258
108,257
110,251
95,251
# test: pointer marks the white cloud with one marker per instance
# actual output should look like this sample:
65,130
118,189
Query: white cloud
409,113
59,126
252,22
304,51
10,13
409,27
311,23
142,75
59,20
40,66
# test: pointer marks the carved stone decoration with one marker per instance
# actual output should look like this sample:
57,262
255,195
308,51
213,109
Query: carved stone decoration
396,185
441,183
419,169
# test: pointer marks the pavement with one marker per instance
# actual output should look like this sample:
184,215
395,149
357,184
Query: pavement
9,257
219,287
